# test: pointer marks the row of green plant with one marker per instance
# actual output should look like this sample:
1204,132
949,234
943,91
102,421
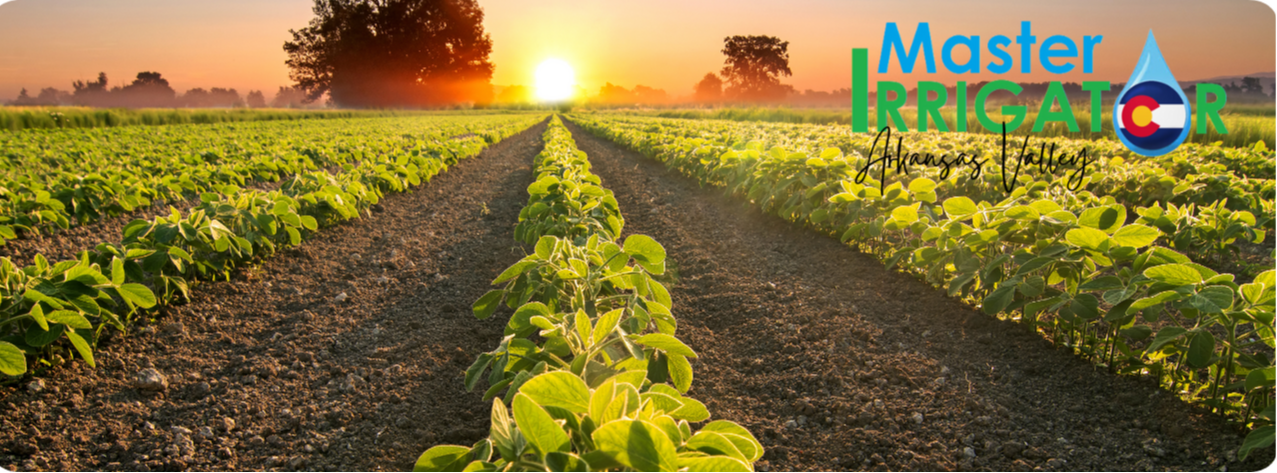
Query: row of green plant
1070,264
593,375
27,118
1245,128
56,179
45,306
1243,207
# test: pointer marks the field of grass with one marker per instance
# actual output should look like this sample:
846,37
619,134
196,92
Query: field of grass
23,118
1246,124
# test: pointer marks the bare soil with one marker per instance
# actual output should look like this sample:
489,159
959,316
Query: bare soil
837,363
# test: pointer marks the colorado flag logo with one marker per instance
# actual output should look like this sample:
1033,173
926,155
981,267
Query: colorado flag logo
1152,116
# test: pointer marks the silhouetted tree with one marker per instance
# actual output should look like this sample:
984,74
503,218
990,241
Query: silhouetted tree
148,90
288,97
709,89
371,53
50,96
93,94
255,99
754,65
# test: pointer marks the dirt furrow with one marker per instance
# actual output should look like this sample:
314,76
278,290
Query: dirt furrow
837,363
344,354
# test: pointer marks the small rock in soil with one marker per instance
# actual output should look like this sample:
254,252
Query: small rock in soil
36,386
341,297
150,380
968,452
228,424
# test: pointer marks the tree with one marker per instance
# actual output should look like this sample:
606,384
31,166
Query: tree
93,94
255,99
148,90
753,67
709,89
378,53
288,97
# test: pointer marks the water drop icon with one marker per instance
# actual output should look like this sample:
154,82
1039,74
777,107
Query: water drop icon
1152,114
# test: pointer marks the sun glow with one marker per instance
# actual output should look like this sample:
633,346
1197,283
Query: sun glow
555,80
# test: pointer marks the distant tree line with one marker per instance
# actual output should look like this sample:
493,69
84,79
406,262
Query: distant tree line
152,90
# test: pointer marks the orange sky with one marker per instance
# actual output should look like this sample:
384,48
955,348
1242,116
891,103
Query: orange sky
667,44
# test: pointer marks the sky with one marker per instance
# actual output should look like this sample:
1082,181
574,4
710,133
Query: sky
667,44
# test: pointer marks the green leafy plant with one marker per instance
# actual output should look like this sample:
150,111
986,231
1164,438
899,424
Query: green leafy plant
590,365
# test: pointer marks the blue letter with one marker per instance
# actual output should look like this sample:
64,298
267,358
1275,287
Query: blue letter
921,39
996,45
1070,50
973,46
1025,40
1088,43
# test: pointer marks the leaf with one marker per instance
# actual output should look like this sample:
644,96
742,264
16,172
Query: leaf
514,270
521,323
1259,377
647,252
714,443
692,410
69,318
1138,332
1022,212
559,389
680,371
1165,336
637,444
999,299
12,361
81,346
1136,235
1261,437
560,461
712,463
137,294
1086,237
443,458
606,323
733,429
958,207
667,343
538,427
1178,274
905,214
480,364
488,304
117,271
1200,349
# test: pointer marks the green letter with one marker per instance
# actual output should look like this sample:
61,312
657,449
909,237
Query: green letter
962,105
891,107
1016,111
1055,93
1210,110
926,106
1097,111
860,90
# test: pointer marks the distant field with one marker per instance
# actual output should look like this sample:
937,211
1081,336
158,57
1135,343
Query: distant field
22,118
1246,123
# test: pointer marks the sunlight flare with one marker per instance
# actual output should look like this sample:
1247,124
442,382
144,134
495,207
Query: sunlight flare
555,80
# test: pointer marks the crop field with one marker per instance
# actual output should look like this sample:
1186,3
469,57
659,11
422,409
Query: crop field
1246,124
590,290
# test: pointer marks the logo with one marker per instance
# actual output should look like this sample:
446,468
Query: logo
1152,115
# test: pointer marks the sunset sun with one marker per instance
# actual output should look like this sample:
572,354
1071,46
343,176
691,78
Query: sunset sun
555,80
